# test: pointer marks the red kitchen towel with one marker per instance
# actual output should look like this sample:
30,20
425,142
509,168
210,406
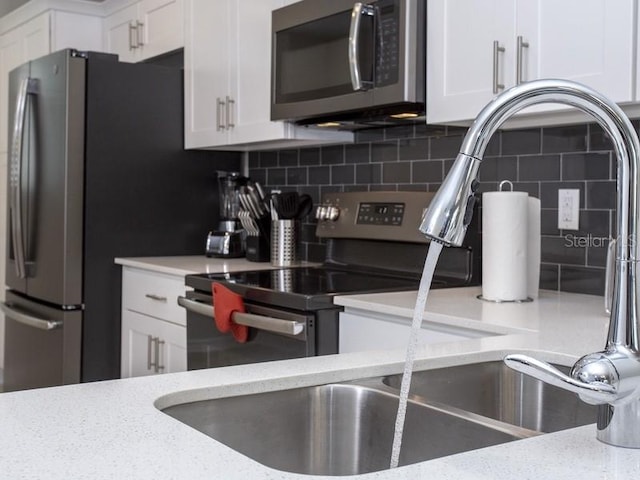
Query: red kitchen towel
225,303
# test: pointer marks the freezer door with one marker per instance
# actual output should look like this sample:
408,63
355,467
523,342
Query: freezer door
42,344
47,164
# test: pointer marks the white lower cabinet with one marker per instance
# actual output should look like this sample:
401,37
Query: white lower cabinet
154,333
151,345
363,330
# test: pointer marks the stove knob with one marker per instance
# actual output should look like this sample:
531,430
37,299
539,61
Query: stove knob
327,212
332,213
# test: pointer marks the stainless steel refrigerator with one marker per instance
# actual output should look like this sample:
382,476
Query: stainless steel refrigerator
97,170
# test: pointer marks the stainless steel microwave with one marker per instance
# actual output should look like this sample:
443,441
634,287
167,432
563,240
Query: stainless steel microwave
335,59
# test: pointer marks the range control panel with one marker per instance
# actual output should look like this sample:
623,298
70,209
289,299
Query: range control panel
373,215
380,214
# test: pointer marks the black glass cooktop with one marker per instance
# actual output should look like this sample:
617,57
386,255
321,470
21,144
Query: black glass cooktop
303,287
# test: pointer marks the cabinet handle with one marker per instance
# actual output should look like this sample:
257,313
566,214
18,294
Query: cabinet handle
158,366
521,45
229,111
133,36
219,122
153,296
150,341
139,33
497,50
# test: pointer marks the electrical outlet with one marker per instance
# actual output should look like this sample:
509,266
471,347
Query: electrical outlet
568,209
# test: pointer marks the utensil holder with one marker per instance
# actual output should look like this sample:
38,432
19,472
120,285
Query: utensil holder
258,246
258,249
284,242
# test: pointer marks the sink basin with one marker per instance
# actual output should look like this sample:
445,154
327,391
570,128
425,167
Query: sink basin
347,428
337,429
493,390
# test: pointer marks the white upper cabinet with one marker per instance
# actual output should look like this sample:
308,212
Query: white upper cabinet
145,29
19,45
228,79
38,36
479,48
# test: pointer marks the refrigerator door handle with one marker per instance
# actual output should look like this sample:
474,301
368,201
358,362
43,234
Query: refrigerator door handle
28,86
28,319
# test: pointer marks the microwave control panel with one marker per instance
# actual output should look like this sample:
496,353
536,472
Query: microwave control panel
388,56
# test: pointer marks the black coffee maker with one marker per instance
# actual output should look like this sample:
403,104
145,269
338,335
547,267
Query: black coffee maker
229,239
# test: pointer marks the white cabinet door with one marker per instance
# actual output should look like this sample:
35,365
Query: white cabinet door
250,73
3,245
172,356
74,30
228,79
145,29
588,41
26,42
162,26
460,58
120,31
364,331
138,332
206,70
151,346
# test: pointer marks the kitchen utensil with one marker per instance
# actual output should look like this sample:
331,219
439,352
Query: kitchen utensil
260,190
287,205
305,205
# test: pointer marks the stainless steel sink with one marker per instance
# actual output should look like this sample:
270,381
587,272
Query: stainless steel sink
338,429
347,428
493,390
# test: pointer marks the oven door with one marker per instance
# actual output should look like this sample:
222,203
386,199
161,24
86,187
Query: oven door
207,347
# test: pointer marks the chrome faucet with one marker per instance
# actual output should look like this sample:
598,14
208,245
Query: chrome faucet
610,378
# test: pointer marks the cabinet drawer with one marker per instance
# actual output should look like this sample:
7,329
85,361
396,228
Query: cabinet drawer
154,294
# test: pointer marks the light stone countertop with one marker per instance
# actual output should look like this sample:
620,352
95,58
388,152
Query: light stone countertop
186,265
112,429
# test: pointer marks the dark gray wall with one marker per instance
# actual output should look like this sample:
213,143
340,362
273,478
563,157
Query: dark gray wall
416,157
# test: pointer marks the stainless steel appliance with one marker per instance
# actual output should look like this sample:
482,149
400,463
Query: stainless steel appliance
97,170
373,245
228,240
340,60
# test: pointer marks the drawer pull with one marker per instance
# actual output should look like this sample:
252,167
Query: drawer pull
153,296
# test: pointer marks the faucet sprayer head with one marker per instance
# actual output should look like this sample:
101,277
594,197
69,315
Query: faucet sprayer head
451,209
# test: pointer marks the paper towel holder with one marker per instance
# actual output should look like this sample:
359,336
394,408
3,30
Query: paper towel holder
524,300
505,182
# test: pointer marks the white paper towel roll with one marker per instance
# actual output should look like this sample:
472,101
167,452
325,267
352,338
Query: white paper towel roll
504,245
533,248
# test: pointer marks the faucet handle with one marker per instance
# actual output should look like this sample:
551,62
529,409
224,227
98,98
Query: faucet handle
595,391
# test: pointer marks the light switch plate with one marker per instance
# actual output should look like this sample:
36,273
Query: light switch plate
568,209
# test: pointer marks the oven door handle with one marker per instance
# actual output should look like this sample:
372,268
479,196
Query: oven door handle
261,322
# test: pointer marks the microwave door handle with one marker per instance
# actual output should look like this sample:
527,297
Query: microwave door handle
28,86
359,9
